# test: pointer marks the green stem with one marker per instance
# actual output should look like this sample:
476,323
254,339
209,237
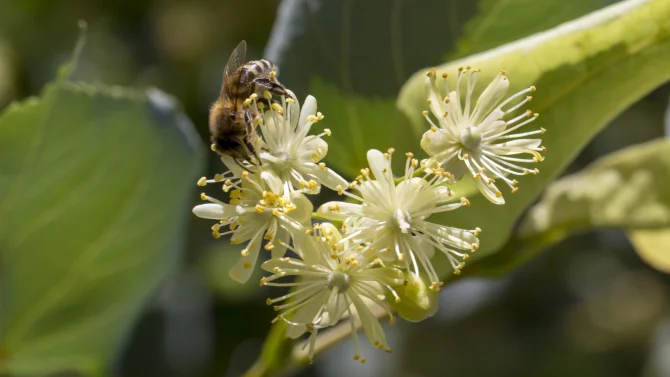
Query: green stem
281,355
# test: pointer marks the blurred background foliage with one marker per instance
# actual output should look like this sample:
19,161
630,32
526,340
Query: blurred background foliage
587,305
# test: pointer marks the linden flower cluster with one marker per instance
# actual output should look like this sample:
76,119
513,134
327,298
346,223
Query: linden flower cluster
373,254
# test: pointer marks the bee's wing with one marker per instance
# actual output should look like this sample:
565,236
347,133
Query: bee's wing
236,60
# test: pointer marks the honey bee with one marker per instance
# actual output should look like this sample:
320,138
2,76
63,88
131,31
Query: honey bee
230,124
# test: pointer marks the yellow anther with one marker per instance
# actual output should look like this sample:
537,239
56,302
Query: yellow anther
498,194
213,147
245,252
203,196
246,102
290,100
273,74
433,128
267,95
334,207
428,101
446,99
276,212
391,150
340,190
218,177
536,115
504,73
529,98
424,113
514,190
409,155
477,231
276,107
245,174
542,130
460,69
465,201
532,89
444,75
202,181
431,73
514,182
253,96
543,150
529,113
259,208
327,131
319,116
247,266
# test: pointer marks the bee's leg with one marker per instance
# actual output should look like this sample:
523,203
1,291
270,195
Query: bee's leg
237,161
272,87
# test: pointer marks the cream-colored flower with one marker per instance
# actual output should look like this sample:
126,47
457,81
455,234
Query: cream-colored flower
474,137
332,282
287,151
257,210
392,219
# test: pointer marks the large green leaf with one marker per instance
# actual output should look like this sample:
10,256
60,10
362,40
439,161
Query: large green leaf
94,187
626,189
354,56
587,71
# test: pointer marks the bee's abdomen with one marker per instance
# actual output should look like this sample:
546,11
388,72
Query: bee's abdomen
256,69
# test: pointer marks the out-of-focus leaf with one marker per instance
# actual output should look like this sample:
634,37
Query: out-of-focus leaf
653,246
626,189
94,188
587,71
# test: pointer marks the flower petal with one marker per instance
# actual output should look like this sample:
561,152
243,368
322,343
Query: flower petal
280,248
304,208
308,108
515,147
245,264
323,175
490,191
490,98
214,211
339,210
380,167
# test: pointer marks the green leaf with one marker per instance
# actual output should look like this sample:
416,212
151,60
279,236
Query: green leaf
94,188
498,22
626,189
354,56
586,71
